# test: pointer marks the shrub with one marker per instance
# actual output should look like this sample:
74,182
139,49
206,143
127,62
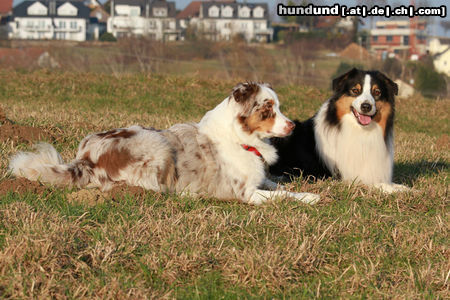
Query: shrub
429,82
392,67
344,67
107,37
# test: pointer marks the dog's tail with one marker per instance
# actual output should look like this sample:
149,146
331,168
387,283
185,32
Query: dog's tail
46,165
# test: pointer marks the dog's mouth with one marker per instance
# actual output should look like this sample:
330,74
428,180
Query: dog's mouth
362,119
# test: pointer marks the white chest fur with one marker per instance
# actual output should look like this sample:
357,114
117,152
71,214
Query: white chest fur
353,151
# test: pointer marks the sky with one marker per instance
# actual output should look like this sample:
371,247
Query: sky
434,26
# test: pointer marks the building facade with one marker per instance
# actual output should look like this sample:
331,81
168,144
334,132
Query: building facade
150,18
439,49
48,20
395,37
221,20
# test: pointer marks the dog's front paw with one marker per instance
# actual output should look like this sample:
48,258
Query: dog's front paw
307,198
390,188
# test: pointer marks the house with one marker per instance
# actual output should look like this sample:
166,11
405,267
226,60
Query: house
394,36
151,18
439,48
221,20
97,22
5,8
5,15
334,23
49,19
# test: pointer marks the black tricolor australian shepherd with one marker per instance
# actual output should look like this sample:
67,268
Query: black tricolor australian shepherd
350,137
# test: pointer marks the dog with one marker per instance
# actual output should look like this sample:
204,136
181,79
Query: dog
222,156
351,137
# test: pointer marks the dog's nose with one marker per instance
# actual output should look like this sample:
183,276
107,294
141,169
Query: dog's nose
290,125
366,107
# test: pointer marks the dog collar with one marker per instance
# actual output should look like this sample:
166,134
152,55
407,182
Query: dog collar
252,149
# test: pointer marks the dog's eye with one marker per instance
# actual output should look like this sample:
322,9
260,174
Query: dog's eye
377,92
355,91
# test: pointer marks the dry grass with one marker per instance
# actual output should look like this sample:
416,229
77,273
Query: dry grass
356,242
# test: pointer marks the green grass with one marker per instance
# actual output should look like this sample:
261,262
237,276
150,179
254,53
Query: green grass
355,243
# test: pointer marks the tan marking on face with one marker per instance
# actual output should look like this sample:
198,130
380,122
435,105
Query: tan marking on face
356,90
384,110
343,106
261,120
114,160
374,87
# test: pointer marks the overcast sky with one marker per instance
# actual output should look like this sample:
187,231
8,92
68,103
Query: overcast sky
434,28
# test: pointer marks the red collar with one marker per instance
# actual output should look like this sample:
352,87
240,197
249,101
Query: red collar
252,149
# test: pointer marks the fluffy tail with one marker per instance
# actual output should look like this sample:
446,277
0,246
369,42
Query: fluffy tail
46,165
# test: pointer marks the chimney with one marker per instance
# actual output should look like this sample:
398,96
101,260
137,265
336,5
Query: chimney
112,8
52,7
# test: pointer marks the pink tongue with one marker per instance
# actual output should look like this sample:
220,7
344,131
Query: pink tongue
364,120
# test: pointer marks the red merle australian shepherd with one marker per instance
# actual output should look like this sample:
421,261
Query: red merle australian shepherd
350,137
223,156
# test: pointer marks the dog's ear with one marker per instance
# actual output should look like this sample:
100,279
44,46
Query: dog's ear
266,84
339,82
243,91
389,83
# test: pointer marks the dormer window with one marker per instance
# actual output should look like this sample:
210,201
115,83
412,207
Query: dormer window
244,12
258,12
127,10
37,9
67,9
227,12
159,12
135,11
213,11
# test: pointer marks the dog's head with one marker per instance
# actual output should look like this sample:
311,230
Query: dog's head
258,111
368,95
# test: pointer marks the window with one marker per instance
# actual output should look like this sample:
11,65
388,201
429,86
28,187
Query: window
134,12
60,35
73,25
151,24
389,38
244,25
257,26
244,12
375,39
258,12
227,12
62,24
213,11
29,24
160,12
406,40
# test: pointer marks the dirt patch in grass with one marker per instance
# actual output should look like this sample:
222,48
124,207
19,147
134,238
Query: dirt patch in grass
21,186
95,196
20,133
3,119
120,191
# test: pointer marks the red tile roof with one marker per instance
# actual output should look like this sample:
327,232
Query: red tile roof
5,6
192,10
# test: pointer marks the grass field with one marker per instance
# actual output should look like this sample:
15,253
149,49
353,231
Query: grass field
356,243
